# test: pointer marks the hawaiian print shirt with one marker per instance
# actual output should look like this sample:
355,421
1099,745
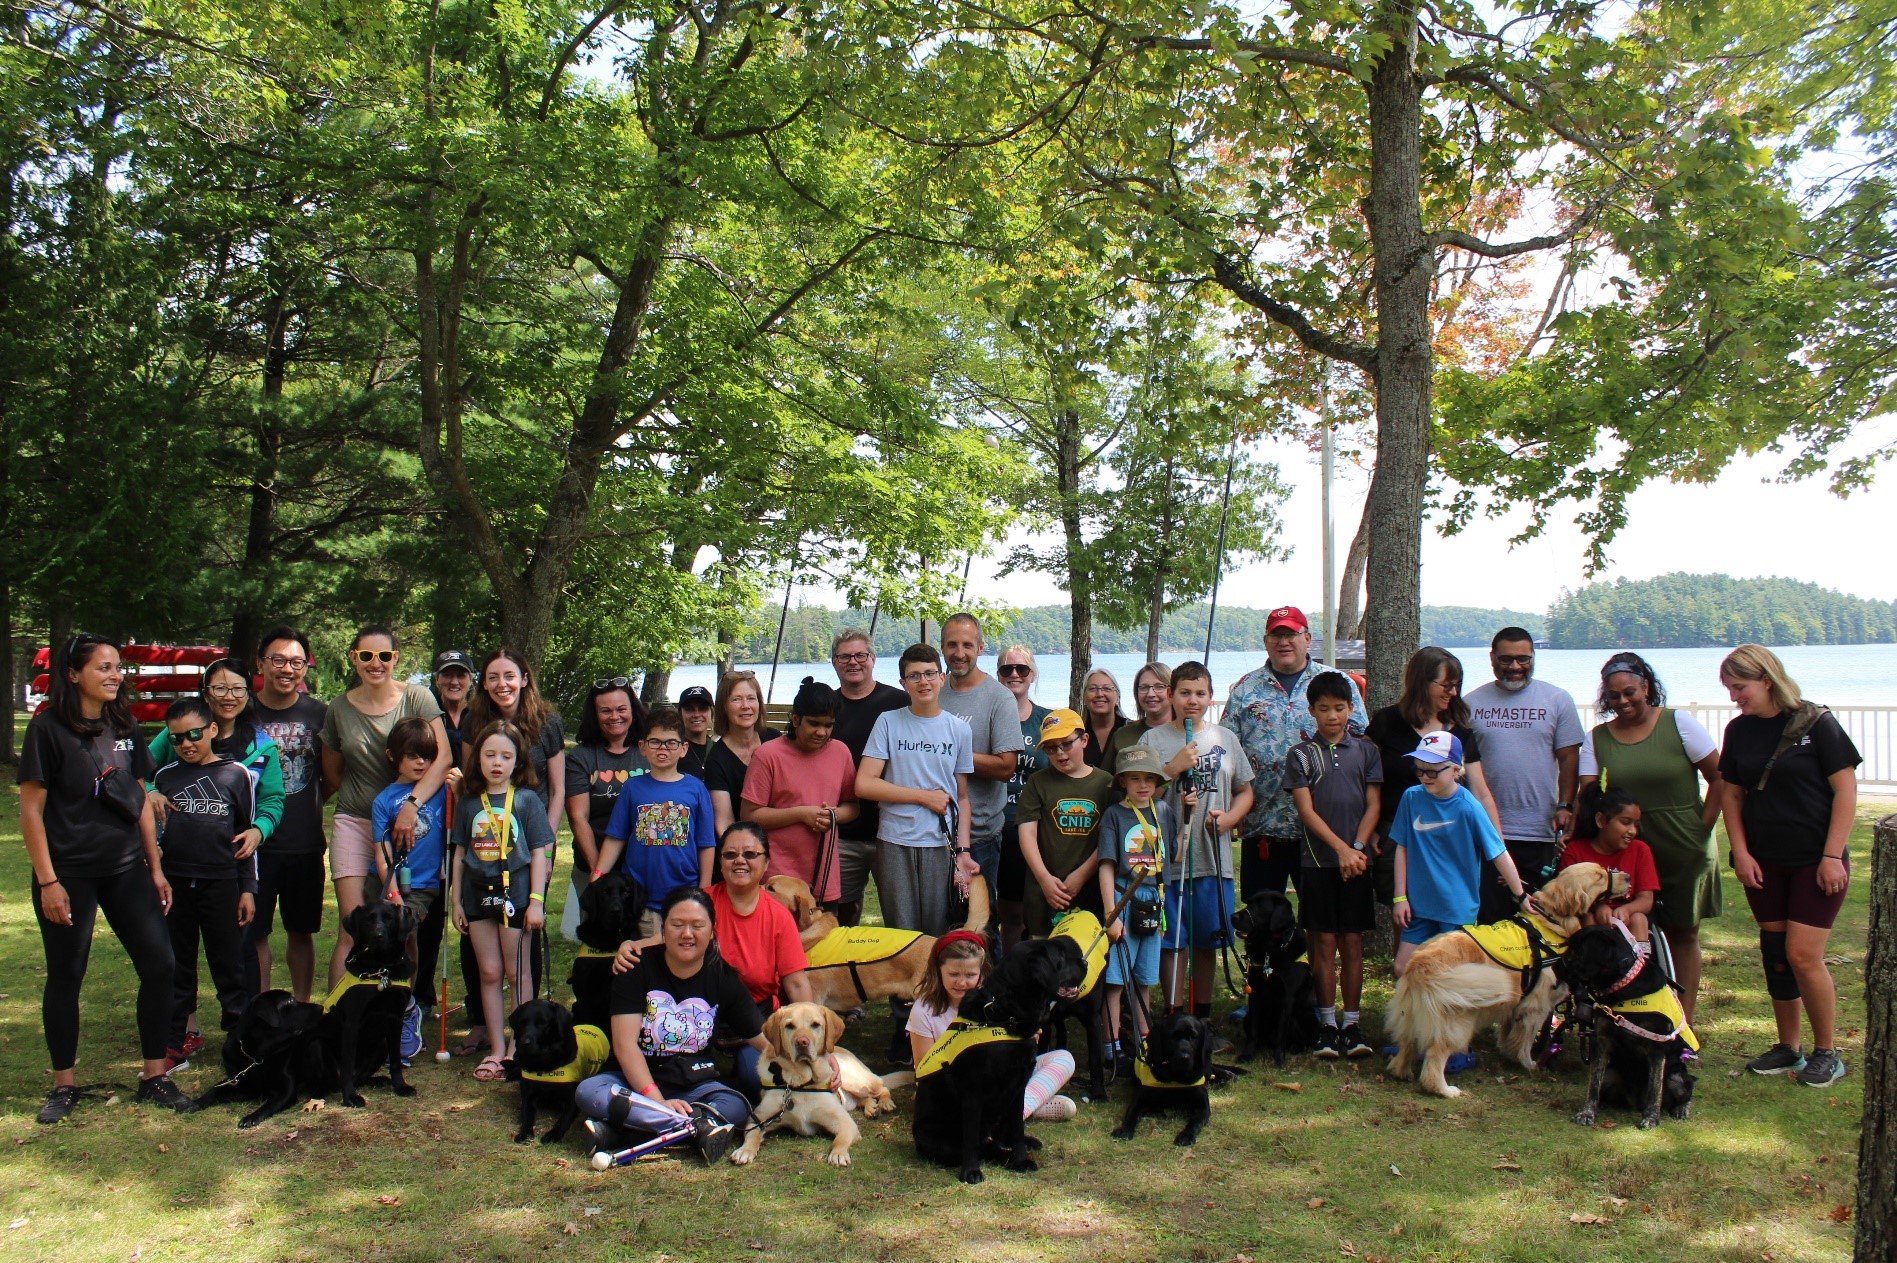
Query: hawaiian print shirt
1268,721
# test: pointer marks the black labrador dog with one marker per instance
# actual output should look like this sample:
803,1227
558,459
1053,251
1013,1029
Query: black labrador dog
553,1054
969,1106
610,908
272,1056
361,1029
1175,1076
1280,1014
1640,1033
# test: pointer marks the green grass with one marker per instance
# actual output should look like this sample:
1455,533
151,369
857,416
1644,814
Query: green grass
1294,1165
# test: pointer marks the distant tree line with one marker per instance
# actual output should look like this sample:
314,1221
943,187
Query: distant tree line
1678,611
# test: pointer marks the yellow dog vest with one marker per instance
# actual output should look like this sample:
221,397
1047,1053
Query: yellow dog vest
595,1048
1143,1074
1084,928
1664,1003
1507,942
349,982
956,1040
593,953
858,945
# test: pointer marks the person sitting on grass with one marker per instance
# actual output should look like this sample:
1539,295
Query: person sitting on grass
957,965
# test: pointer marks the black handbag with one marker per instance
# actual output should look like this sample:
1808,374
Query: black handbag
1143,916
117,790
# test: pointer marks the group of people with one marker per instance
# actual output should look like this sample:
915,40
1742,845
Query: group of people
450,797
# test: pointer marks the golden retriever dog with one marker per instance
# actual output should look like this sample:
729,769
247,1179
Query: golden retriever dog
1454,987
852,965
816,1083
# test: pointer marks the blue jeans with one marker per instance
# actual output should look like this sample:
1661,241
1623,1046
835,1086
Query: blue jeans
986,852
595,1096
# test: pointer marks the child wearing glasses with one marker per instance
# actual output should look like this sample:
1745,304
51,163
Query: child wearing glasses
1059,819
660,833
209,841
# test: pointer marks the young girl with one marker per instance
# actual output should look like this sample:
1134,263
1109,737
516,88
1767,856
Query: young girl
1604,830
500,883
958,965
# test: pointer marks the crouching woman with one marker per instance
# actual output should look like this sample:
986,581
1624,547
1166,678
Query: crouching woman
667,1012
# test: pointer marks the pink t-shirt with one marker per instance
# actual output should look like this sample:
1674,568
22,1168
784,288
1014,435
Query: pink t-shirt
783,776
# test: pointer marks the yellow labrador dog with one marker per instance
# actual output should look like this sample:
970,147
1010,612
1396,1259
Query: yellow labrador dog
1460,982
851,965
816,1084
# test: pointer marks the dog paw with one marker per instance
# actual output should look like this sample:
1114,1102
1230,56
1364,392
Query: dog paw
1584,1118
1023,1165
354,1102
315,1103
838,1159
405,1089
972,1176
1031,1142
1185,1139
1123,1133
741,1158
1679,1111
1648,1122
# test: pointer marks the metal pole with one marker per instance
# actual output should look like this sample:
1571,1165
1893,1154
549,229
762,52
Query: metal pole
1328,461
967,566
1218,557
778,651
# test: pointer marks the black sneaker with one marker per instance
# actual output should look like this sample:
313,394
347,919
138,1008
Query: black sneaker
1778,1059
1330,1043
1822,1069
605,1137
1355,1045
60,1103
159,1090
712,1136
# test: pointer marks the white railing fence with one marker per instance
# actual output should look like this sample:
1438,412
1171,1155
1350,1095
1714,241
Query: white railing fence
1872,728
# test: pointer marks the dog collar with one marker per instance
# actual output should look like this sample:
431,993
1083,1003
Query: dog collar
1640,960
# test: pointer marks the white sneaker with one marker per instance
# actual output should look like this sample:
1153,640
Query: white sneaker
1058,1109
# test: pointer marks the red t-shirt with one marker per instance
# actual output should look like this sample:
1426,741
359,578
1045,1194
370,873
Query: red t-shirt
783,776
762,947
1635,860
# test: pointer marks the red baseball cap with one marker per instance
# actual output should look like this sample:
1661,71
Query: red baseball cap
1287,616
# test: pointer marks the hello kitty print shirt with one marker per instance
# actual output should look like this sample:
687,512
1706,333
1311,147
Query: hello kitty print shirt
682,1016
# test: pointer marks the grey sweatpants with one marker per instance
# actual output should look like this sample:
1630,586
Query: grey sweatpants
913,884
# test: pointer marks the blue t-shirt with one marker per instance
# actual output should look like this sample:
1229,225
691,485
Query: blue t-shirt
1447,840
664,824
920,753
424,858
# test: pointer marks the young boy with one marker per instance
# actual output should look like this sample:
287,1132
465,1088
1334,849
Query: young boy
1442,836
411,752
1058,820
1137,834
662,823
1211,802
1335,782
208,846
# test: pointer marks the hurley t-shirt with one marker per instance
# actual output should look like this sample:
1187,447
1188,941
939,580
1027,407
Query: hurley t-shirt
855,718
363,740
1520,733
1222,768
682,1016
664,824
1027,761
597,775
763,947
298,731
1787,821
1337,776
86,837
921,754
1447,840
783,775
994,722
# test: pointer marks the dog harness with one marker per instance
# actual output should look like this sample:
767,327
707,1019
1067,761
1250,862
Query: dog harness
593,953
767,1075
851,946
958,1039
1524,943
1084,929
594,1048
349,982
1665,1004
1143,1074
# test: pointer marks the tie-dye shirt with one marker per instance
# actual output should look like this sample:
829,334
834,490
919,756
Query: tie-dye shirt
1268,719
680,1017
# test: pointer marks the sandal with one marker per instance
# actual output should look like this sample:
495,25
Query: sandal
491,1069
471,1045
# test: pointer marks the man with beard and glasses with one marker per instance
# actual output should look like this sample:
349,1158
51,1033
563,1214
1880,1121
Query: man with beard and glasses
1531,752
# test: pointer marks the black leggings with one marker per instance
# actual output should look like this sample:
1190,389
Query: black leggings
131,908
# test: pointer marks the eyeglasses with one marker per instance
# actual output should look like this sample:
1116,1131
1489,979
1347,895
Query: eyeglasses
282,663
1014,668
851,657
1150,688
922,677
613,682
1430,773
742,855
1105,689
1066,743
1447,685
662,743
227,690
366,656
192,735
1514,659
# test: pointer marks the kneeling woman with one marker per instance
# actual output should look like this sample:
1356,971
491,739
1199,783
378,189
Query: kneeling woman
667,1011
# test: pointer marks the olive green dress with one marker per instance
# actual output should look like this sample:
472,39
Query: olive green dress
1657,772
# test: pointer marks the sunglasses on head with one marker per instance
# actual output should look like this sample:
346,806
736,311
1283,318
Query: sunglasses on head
613,682
372,655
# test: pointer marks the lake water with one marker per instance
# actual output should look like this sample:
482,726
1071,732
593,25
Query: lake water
1837,675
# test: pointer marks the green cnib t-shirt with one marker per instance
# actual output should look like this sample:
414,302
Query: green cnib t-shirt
1066,811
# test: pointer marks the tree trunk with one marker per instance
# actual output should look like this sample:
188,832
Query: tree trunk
1404,268
1079,568
1350,593
1877,1136
7,676
247,619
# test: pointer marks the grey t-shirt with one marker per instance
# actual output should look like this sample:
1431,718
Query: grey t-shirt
362,741
995,723
920,754
1520,734
1222,767
1336,775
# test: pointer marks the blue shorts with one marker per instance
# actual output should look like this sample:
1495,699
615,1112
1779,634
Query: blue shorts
1210,914
1422,929
1137,954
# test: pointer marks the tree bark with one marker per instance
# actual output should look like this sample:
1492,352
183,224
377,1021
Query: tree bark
247,619
1350,593
1877,1137
1079,568
1404,268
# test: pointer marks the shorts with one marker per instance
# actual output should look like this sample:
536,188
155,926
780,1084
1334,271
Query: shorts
351,848
1210,914
1791,893
1011,886
1328,904
1135,954
297,883
422,902
1422,929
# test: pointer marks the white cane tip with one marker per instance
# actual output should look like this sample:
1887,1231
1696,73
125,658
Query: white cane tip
602,1160
444,1055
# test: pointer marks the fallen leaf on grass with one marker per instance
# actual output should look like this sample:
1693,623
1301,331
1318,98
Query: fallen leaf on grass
1733,1074
163,1148
1506,1166
387,1199
1346,1249
1210,1205
757,1245
561,1162
1289,1087
1607,1124
1395,1170
1239,1258
1611,1200
313,1104
1316,1203
570,1228
1578,1218
290,1135
18,1223
1768,1256
1840,1214
456,1109
589,1210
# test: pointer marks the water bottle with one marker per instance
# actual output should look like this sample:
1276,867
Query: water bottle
402,878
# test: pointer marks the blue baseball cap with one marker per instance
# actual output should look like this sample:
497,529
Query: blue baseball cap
1437,747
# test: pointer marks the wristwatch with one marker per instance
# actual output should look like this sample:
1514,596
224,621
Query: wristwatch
1564,806
412,801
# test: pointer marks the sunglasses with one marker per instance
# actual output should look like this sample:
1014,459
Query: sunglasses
366,656
1430,773
613,682
1014,668
742,855
192,735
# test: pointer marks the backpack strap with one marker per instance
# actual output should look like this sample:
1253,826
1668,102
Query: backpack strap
1796,730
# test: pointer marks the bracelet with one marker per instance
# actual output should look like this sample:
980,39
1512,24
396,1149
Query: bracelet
1838,858
536,897
1400,899
959,850
651,1092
